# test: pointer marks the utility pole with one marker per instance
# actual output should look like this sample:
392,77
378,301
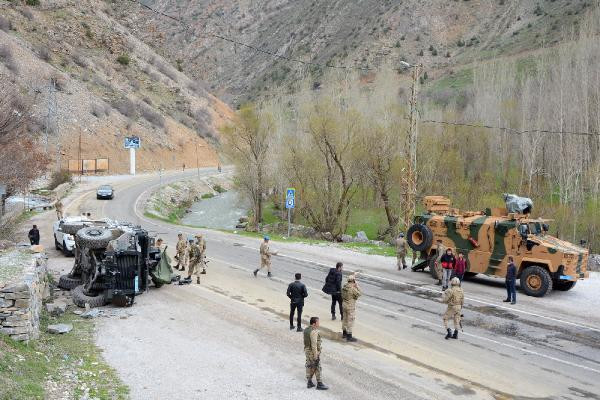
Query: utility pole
197,162
80,161
410,193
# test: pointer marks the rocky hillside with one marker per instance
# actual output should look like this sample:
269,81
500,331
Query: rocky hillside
101,83
361,33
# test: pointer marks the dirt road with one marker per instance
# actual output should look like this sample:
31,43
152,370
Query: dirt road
229,335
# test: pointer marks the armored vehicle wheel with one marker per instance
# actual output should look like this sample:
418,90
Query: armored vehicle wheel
71,228
564,285
69,282
56,244
94,237
536,281
80,299
419,237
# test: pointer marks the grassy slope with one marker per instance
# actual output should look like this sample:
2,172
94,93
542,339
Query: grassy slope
25,367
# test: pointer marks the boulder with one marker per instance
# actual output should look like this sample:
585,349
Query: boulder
361,237
346,238
57,308
60,328
92,313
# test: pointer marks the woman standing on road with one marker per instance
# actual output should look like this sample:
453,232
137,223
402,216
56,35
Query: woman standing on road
448,262
460,267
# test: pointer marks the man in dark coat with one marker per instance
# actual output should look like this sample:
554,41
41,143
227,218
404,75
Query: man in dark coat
333,287
296,291
511,281
34,235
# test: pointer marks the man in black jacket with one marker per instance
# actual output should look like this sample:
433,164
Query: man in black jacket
333,287
34,235
296,291
511,281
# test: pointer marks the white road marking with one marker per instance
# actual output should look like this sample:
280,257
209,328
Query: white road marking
436,325
476,300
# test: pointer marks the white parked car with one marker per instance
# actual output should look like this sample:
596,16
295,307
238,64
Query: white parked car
64,233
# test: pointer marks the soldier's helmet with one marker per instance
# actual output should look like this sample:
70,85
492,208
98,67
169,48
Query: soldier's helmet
198,236
455,281
351,277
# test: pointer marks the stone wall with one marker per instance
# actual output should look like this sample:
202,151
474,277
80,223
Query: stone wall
21,300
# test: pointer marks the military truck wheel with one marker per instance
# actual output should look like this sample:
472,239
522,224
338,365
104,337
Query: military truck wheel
71,228
80,299
536,281
94,237
419,237
68,282
564,286
469,275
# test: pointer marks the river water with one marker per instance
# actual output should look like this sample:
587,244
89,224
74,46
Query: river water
219,212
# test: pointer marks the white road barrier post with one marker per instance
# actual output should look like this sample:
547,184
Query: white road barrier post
132,160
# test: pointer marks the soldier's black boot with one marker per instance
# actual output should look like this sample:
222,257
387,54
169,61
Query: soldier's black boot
344,334
449,334
203,272
198,280
455,336
269,275
321,386
310,384
255,272
333,316
439,282
349,338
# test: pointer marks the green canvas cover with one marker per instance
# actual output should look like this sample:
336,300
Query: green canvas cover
163,272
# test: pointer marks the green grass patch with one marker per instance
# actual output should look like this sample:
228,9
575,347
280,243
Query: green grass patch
24,368
366,220
369,248
207,196
270,213
458,80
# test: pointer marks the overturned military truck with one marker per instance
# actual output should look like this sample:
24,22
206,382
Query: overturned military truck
114,262
487,238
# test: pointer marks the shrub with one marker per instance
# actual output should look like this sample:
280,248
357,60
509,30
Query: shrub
448,54
421,53
434,52
5,24
45,54
219,189
123,59
152,116
78,59
6,58
32,2
179,65
431,48
58,178
208,196
126,107
460,43
100,110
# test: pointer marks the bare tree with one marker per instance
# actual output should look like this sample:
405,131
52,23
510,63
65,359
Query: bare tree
247,142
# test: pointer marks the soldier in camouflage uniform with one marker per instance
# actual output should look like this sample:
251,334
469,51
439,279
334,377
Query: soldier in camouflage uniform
455,298
265,257
181,249
440,250
350,293
202,247
401,251
195,259
312,351
59,209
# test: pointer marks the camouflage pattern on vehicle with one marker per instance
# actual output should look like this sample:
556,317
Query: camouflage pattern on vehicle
487,238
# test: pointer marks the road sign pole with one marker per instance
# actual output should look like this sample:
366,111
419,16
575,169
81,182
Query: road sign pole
289,221
132,161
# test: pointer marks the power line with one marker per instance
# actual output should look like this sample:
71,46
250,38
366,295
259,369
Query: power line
252,47
327,65
510,130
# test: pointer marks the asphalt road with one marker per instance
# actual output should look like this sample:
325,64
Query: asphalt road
540,348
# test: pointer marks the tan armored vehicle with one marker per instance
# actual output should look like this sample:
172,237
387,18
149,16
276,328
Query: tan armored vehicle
487,238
